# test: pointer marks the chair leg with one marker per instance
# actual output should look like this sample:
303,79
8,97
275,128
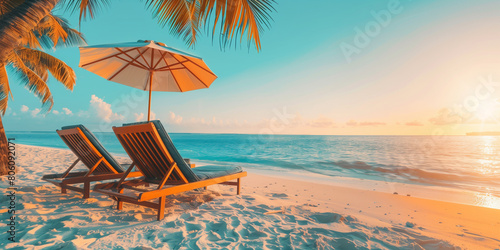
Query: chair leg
86,190
161,207
119,206
64,190
238,187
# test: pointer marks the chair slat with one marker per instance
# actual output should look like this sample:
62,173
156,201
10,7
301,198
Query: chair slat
79,146
129,151
148,154
85,150
82,149
139,151
71,142
166,159
147,148
166,162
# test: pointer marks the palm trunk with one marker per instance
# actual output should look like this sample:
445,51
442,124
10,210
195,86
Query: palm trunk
4,150
17,22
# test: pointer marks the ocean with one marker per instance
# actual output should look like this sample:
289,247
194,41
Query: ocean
462,163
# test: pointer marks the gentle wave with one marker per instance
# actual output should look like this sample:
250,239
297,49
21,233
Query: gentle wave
389,173
464,162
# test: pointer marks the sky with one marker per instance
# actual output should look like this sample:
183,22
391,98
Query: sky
395,67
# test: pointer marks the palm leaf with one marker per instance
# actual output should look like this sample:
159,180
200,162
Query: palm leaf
235,18
31,40
54,31
181,15
33,82
73,36
8,6
41,62
20,20
42,72
90,7
27,25
50,27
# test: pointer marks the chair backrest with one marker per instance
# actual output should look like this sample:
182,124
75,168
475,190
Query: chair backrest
153,152
88,149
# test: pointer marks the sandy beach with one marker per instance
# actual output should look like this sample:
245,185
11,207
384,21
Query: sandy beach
271,213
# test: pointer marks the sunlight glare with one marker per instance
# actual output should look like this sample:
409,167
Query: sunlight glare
487,200
487,111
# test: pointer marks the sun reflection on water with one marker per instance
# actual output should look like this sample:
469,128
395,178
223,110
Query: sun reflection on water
488,166
487,200
488,159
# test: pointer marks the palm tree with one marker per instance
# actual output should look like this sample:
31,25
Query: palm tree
33,66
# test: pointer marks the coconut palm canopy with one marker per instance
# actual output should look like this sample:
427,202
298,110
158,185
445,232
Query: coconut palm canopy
32,65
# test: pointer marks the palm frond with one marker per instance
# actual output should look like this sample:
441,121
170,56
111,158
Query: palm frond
19,21
181,15
4,89
31,40
28,25
73,38
90,7
44,41
8,6
42,72
234,17
40,62
49,26
55,31
32,81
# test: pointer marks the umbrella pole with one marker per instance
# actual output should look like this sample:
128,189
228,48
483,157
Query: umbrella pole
150,87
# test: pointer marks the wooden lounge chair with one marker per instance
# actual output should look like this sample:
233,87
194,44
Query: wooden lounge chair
88,150
151,148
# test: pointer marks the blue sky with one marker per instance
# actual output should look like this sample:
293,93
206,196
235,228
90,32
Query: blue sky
419,61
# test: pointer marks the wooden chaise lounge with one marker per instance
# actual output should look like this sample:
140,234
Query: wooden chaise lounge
88,150
152,150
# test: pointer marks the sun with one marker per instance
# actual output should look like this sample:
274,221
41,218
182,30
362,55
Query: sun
487,110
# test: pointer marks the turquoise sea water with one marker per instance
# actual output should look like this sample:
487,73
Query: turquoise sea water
469,163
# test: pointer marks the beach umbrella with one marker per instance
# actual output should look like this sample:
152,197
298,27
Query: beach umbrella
147,65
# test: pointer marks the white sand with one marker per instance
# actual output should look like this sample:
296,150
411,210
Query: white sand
271,213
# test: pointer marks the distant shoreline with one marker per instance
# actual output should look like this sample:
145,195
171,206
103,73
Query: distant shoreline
494,133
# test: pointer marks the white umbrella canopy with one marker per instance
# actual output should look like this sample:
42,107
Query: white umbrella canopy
147,65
